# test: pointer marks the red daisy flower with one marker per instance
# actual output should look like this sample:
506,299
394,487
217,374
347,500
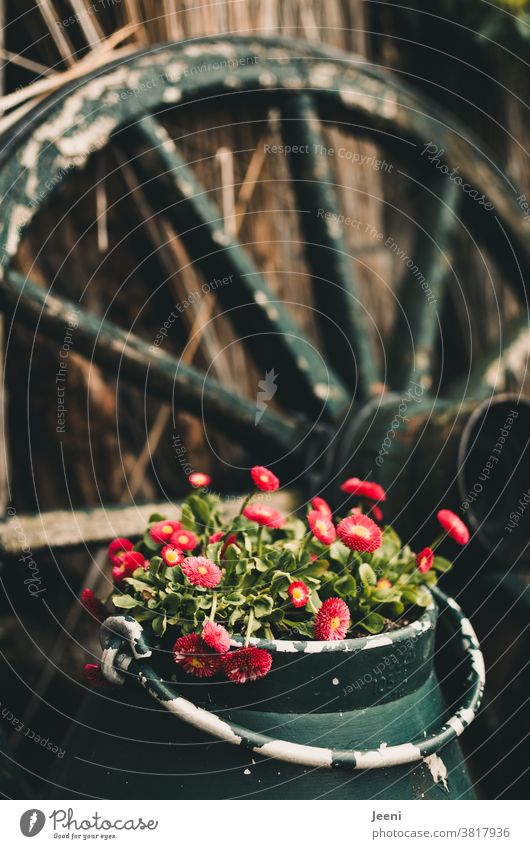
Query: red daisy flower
264,515
118,547
424,559
230,540
299,593
377,513
321,506
332,620
129,562
162,531
94,676
322,527
201,572
454,526
193,655
247,664
184,540
199,479
264,479
215,636
93,605
171,555
366,489
217,537
384,584
360,533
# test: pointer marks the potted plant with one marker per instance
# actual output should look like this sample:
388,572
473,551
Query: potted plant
288,607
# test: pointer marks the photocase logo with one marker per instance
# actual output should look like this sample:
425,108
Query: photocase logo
267,390
32,822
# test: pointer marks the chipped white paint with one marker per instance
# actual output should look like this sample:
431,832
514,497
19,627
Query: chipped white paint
334,681
322,75
75,149
477,661
377,642
513,359
321,390
221,238
198,717
267,79
20,216
129,629
172,95
312,756
387,755
437,768
108,668
456,724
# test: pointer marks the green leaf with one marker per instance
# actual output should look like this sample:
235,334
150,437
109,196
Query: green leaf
263,606
441,564
346,586
373,623
149,543
159,625
367,575
125,602
339,552
139,585
156,517
187,518
200,510
155,565
295,528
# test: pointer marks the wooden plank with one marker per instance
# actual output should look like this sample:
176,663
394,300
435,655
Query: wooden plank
63,528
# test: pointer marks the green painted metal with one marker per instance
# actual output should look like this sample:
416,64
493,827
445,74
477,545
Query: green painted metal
371,705
344,323
420,311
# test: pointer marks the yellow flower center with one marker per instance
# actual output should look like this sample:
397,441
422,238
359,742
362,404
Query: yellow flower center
298,594
334,623
167,529
202,570
196,663
360,531
321,526
171,556
183,539
263,478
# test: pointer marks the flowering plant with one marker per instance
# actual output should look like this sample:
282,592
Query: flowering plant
266,575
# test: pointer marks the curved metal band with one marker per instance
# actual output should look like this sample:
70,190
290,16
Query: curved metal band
304,755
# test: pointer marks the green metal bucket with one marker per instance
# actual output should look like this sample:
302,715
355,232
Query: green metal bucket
357,719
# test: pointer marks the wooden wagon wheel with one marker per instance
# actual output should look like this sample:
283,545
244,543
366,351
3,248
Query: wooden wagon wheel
329,406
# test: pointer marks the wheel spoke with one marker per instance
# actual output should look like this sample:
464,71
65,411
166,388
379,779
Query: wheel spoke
417,324
110,346
259,317
334,285
503,371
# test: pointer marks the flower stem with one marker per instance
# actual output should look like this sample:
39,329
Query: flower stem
249,626
246,501
260,534
214,607
305,541
437,541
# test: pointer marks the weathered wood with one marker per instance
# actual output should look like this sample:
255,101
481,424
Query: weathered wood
336,292
147,366
62,528
258,315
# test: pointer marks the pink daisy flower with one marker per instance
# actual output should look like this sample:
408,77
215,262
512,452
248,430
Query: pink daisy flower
129,562
184,540
217,537
299,593
162,531
264,515
215,636
171,555
454,526
365,489
117,548
199,479
322,527
193,655
201,572
93,605
246,664
264,479
321,506
360,533
425,559
332,620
